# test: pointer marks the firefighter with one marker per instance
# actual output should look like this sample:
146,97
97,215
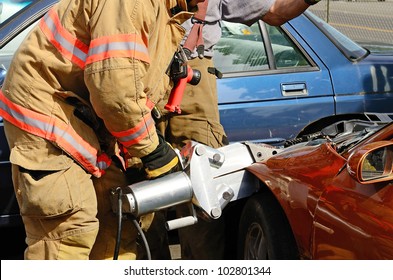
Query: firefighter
77,104
199,117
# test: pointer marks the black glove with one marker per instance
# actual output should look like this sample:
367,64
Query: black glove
162,161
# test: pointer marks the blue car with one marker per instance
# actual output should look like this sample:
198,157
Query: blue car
276,80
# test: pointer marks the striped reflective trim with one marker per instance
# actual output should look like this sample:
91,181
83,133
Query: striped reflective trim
150,104
134,135
122,45
69,46
103,161
52,129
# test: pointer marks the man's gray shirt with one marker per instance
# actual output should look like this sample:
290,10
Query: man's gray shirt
240,11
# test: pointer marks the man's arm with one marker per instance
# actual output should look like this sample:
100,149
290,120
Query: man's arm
273,12
284,10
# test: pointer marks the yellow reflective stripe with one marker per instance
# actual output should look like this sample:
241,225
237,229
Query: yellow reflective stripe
162,170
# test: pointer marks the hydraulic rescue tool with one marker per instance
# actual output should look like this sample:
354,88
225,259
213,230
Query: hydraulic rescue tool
181,74
211,178
190,76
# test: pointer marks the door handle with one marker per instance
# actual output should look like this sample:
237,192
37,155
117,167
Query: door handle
294,89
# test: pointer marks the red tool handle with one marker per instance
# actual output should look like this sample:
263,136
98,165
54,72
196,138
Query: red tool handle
177,92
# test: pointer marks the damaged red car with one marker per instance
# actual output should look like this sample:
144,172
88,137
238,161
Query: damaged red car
328,195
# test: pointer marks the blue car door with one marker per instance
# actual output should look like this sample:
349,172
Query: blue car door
273,83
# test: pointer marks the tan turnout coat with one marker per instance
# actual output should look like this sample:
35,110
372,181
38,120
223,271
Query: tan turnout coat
108,56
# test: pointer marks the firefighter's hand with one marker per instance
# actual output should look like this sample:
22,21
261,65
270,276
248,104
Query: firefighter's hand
162,161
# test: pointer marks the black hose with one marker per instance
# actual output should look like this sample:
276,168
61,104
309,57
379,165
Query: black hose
147,248
119,227
119,224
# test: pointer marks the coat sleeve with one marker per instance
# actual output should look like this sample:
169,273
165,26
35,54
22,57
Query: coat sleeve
118,59
246,12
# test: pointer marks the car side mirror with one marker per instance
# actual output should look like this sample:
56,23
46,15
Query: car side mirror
372,163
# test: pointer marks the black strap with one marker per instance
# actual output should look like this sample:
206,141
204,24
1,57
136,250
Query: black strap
214,71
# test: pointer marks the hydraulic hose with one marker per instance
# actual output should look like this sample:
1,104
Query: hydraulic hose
119,228
145,243
119,224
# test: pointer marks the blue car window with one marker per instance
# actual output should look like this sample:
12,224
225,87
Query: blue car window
8,8
286,53
240,49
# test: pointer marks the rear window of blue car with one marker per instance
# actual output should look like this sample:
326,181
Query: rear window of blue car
243,49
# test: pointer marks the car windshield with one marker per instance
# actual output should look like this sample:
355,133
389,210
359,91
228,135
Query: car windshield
349,48
10,7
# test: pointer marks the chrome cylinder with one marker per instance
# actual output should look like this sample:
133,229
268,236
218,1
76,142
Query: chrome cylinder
153,195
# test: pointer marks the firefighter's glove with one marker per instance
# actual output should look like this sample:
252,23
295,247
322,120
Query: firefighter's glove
162,161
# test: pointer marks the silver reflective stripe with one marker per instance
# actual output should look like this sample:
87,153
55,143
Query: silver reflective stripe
64,43
141,131
117,46
46,130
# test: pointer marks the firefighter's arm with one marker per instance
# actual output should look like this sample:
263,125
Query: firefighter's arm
125,113
119,60
117,96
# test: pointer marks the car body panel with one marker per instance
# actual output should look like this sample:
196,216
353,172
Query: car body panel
299,192
287,116
346,216
332,215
